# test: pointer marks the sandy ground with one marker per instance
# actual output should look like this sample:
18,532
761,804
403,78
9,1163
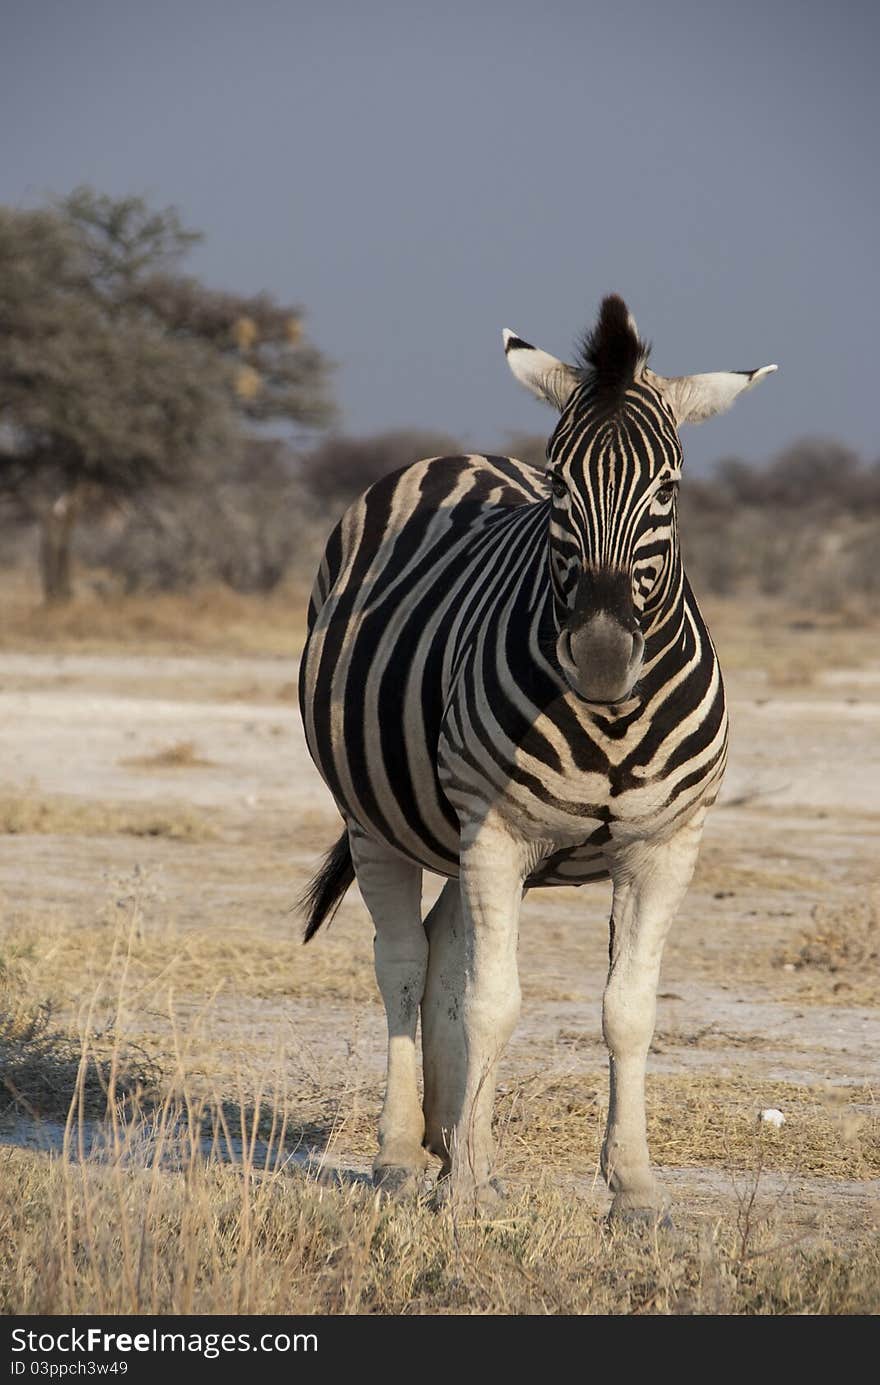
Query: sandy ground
789,853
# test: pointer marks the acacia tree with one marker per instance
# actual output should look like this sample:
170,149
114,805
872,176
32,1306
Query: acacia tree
117,372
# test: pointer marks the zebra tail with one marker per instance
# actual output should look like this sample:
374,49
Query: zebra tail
326,890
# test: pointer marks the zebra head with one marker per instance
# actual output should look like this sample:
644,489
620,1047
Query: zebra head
614,462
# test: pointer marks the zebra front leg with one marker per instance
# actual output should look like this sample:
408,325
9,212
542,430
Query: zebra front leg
391,889
478,1028
649,885
443,1052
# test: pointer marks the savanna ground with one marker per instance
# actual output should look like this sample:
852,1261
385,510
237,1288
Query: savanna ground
190,1096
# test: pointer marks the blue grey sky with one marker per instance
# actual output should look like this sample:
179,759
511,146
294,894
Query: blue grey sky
419,176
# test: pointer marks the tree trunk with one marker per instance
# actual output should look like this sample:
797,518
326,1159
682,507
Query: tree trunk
56,532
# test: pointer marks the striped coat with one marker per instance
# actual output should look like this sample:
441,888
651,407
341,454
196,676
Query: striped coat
507,681
431,631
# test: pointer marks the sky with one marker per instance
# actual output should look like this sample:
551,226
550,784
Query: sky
420,175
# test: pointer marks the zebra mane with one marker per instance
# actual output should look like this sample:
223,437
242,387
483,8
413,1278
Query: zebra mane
613,353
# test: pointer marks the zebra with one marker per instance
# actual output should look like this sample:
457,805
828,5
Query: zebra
507,682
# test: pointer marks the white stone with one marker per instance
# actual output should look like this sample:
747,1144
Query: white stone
772,1117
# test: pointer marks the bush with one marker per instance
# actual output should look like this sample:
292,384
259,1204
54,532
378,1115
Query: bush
241,526
341,467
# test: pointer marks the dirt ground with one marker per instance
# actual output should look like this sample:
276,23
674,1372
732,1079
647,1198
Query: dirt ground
175,793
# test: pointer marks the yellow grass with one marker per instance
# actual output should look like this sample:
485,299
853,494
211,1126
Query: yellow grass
791,645
180,755
209,620
160,1191
250,1237
179,1201
24,813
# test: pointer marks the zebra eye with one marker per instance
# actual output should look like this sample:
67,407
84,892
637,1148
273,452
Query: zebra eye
665,493
559,488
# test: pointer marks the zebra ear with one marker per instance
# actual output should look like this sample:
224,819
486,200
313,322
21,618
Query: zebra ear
696,397
543,375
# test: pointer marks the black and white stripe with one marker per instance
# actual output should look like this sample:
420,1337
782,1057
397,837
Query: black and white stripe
507,680
430,676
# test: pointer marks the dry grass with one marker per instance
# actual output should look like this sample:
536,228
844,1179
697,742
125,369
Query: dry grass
696,1120
836,955
178,1203
252,1237
188,1206
717,871
791,645
42,1068
179,755
212,619
61,957
843,940
29,812
160,1192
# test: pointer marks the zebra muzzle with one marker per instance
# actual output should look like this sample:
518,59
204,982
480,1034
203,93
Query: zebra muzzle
601,659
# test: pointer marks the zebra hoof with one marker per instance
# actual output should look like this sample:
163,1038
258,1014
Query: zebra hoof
628,1214
398,1182
468,1199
